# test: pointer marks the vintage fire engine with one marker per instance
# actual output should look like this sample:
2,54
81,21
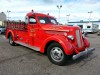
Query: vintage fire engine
42,33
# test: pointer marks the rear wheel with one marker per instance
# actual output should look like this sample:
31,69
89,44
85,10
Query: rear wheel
11,42
56,54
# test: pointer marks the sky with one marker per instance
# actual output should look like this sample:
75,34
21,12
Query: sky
76,9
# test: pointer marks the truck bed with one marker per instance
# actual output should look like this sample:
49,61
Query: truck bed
16,25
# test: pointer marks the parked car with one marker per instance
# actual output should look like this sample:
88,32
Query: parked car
98,33
2,30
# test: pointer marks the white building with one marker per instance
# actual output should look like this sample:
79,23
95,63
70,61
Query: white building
2,18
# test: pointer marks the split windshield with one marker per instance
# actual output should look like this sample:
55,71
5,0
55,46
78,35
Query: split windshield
47,20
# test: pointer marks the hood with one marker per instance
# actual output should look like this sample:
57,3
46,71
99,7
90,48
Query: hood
59,28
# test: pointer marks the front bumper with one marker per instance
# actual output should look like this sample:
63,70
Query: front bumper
83,53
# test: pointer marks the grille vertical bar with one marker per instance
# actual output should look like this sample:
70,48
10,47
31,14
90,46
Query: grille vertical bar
78,38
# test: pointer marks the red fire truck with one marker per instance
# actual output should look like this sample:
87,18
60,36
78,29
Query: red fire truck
42,33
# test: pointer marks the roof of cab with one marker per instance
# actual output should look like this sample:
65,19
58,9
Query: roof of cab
38,14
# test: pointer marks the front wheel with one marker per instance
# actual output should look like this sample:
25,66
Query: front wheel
11,42
56,54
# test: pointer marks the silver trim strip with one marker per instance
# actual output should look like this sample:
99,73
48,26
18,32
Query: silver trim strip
78,38
26,45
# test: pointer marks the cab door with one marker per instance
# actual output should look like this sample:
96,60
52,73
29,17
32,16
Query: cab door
33,32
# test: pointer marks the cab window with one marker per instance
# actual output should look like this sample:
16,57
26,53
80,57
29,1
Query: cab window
43,20
32,20
53,21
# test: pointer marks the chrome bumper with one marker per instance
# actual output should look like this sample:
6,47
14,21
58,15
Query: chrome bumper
83,53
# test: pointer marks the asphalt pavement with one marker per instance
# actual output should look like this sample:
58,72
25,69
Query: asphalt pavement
19,60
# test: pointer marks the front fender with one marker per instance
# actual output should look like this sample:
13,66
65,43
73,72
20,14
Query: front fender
63,41
86,42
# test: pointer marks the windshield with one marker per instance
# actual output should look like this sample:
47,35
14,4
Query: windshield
47,20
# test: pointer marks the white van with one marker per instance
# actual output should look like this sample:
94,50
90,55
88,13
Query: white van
88,27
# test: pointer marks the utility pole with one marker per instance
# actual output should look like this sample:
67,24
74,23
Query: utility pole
8,11
68,17
59,7
90,15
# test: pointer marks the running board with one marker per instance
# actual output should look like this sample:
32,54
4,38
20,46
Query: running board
26,45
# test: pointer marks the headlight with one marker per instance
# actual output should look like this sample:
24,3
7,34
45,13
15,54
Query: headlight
70,37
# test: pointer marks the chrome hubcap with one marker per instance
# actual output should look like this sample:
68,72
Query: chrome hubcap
57,54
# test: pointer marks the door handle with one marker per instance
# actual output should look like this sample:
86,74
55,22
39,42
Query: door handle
32,30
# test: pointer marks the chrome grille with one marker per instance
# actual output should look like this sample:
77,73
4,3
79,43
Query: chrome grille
78,38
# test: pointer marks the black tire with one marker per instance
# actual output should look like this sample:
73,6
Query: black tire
98,33
11,42
56,54
85,33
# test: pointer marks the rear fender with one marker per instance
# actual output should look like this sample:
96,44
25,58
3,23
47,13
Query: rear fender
10,32
67,46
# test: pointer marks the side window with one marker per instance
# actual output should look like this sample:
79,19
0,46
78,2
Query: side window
32,20
88,26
